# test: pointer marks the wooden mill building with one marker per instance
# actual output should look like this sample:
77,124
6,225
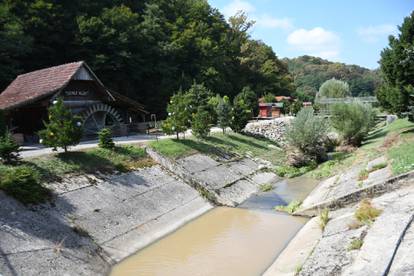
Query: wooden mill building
26,99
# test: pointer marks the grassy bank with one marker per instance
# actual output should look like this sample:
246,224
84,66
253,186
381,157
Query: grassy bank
219,144
396,141
25,180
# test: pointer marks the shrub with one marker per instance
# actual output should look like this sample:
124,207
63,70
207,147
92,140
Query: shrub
105,139
201,123
333,88
352,121
241,114
366,213
9,150
23,184
290,208
305,137
363,174
63,129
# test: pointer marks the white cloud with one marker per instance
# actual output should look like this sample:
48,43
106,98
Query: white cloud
375,33
317,42
238,5
264,20
268,21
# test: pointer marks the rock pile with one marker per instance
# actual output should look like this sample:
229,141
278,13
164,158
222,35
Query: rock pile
271,129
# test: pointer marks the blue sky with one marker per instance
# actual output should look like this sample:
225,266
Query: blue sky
349,31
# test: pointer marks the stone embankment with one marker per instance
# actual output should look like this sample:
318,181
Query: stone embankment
347,245
94,222
271,129
222,181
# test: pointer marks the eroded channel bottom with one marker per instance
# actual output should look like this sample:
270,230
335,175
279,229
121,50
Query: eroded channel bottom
224,241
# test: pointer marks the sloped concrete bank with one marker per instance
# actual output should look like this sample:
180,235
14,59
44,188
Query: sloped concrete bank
349,245
94,222
223,182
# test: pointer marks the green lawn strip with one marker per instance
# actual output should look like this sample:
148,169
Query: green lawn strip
24,181
371,148
217,144
402,157
123,159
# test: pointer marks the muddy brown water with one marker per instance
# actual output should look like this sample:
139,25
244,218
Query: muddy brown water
224,241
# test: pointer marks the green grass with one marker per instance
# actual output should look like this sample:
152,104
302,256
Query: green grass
266,187
221,144
23,183
174,148
374,146
339,161
125,158
290,172
290,208
402,157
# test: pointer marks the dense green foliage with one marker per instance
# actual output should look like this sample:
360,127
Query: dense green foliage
305,137
3,126
269,98
397,65
352,121
223,111
310,72
105,139
201,123
9,150
23,183
63,129
144,49
179,114
241,112
333,88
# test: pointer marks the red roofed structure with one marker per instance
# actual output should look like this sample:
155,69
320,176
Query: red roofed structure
26,99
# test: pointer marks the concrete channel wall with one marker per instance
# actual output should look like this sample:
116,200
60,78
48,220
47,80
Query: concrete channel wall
223,182
94,222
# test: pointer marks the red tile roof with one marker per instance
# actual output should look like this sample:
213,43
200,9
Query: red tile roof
38,84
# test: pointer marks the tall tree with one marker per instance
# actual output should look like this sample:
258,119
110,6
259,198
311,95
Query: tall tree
397,65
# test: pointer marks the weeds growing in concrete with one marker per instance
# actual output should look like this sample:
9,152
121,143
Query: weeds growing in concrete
366,213
267,187
290,208
355,244
323,218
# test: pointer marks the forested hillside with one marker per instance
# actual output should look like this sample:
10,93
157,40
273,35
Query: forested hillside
147,49
310,72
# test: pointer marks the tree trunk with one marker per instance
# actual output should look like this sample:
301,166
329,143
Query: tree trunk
178,138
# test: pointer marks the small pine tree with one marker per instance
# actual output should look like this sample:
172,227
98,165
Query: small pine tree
179,115
201,123
241,114
105,139
63,129
223,111
9,150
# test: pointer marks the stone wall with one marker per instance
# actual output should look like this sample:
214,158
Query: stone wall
271,129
